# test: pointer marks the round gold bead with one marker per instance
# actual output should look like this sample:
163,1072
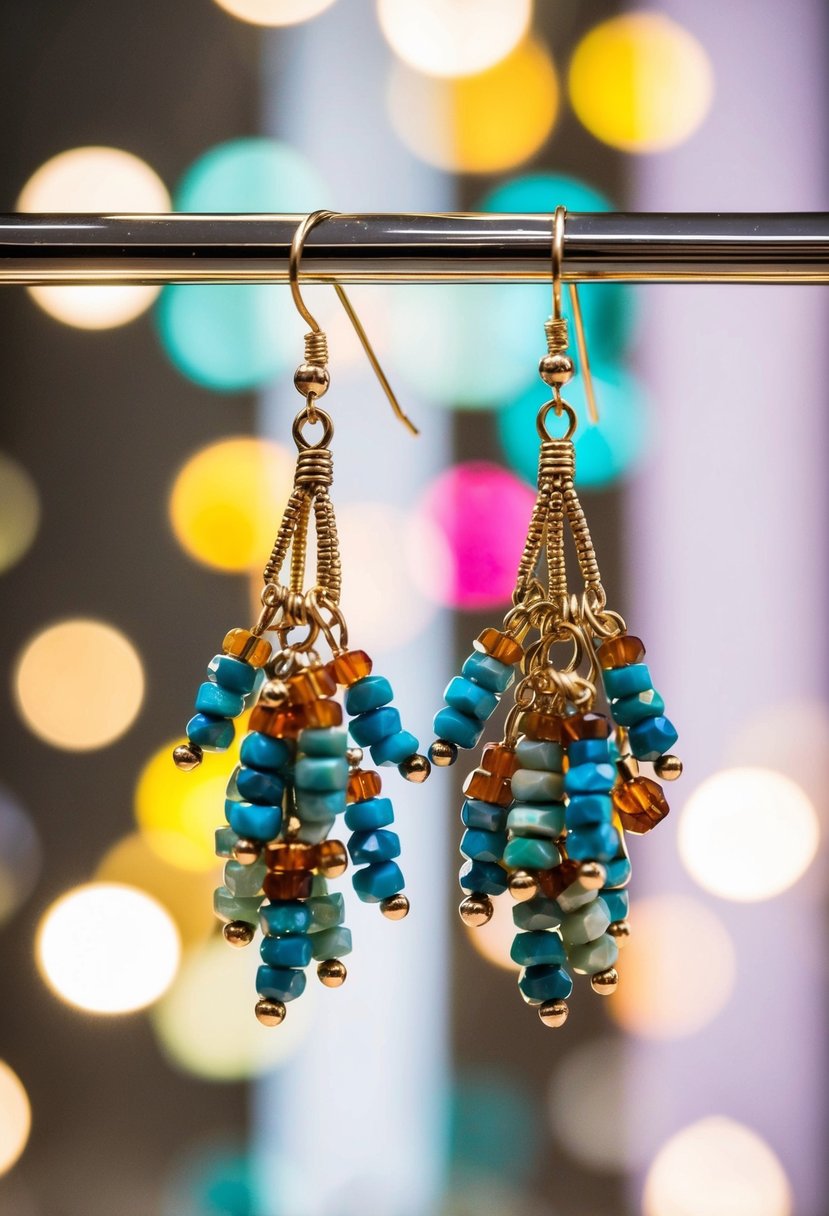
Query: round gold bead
332,973
442,753
311,378
556,369
238,933
334,859
415,768
273,694
604,982
187,756
553,1013
620,932
668,768
395,907
268,1012
522,886
354,756
476,910
246,852
592,875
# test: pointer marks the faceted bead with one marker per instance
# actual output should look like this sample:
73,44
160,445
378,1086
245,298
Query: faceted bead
378,882
323,742
471,699
536,914
292,951
540,755
314,806
350,666
527,853
479,845
482,786
258,680
225,842
363,784
552,882
483,816
254,822
532,785
229,907
276,723
594,956
627,711
648,740
320,885
293,885
617,904
599,843
369,693
287,856
490,673
620,652
618,872
585,924
586,810
584,726
575,896
541,726
243,644
640,804
544,983
394,749
588,751
264,788
244,881
499,646
365,848
281,918
314,831
626,681
590,779
456,727
266,755
524,819
540,947
321,773
311,684
211,733
483,877
331,943
280,983
321,713
231,673
375,725
326,911
369,815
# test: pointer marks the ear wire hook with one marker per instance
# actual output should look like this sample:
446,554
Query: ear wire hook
320,346
578,320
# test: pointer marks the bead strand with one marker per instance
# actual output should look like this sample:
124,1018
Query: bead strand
472,697
234,679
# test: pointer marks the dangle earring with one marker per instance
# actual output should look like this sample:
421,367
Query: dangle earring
547,809
298,772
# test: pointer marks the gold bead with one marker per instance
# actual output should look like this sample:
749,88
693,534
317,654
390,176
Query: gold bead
268,1012
273,694
592,875
246,852
442,753
187,756
556,369
238,933
627,767
668,768
620,932
332,858
604,982
395,907
416,768
553,1013
332,973
476,910
523,886
354,756
311,378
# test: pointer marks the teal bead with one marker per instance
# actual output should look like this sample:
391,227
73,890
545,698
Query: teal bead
331,943
524,819
365,848
470,699
491,674
369,693
618,872
540,947
599,843
264,788
648,740
629,710
485,816
326,911
280,983
590,779
575,896
533,785
225,841
265,754
315,806
293,951
254,822
394,749
228,907
312,831
457,728
374,725
525,853
378,882
231,673
244,881
258,680
321,774
211,733
587,810
540,755
323,741
617,904
585,924
369,815
588,751
289,916
544,983
594,956
483,877
219,702
538,913
626,681
319,885
479,845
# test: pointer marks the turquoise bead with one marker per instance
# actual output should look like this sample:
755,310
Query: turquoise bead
321,774
617,904
377,882
230,907
585,924
293,951
211,733
483,877
231,673
265,754
649,739
586,810
594,956
312,831
588,751
258,680
538,913
220,702
369,815
323,741
394,749
532,785
540,755
485,816
470,699
369,693
314,806
244,881
590,779
264,788
225,842
365,848
544,983
599,843
478,845
457,728
375,725
490,673
525,853
629,710
618,872
254,822
289,916
319,885
542,946
576,896
280,983
527,820
331,943
625,681
326,911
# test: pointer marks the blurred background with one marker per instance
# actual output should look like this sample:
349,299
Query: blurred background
145,456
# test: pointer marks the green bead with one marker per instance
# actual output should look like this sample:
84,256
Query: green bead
326,911
524,819
322,741
321,773
594,956
225,841
228,906
538,913
575,896
245,881
540,755
331,943
524,853
532,785
585,924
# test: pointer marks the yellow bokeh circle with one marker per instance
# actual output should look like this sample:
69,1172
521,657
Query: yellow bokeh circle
15,1117
641,82
274,12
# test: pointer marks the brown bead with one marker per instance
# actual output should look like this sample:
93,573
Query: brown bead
584,726
552,882
362,785
331,858
310,684
284,857
487,788
268,1012
443,754
499,646
332,973
415,768
277,723
395,907
187,756
621,652
322,713
537,725
640,804
243,644
350,666
296,885
499,760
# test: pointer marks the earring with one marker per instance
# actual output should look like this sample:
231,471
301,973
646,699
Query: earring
297,772
547,809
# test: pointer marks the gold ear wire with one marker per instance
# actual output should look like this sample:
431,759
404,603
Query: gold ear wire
578,320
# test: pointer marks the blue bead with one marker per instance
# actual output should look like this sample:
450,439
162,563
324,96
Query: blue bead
264,754
457,728
293,951
537,913
490,673
531,853
365,848
541,946
288,917
479,845
618,872
375,725
280,983
652,738
314,806
539,754
470,699
629,710
545,983
594,956
524,819
588,751
590,779
483,815
599,843
220,702
617,904
625,681
212,734
225,841
331,943
321,773
585,810
323,741
312,831
253,696
394,749
252,821
231,673
369,815
265,788
378,882
483,877
369,693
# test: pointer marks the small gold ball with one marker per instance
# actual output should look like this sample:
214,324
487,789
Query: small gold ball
332,973
354,756
238,933
442,753
187,756
476,910
268,1012
668,768
627,767
592,875
246,852
310,378
416,768
395,907
604,982
556,369
522,886
273,694
553,1013
620,932
334,861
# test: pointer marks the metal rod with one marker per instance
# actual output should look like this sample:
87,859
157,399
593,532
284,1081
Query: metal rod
608,246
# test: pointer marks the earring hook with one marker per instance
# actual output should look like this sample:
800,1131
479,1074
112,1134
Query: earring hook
557,258
294,263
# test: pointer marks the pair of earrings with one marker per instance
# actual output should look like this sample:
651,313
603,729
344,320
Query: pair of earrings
547,808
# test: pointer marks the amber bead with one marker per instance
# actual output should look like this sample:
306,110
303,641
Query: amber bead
311,684
584,726
551,883
350,666
499,760
278,723
499,646
296,884
285,856
331,858
538,725
488,787
640,804
621,652
243,644
362,785
322,713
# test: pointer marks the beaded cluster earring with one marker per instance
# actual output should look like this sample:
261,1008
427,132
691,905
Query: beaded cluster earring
297,771
546,811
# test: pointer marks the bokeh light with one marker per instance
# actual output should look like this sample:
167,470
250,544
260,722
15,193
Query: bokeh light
274,12
205,1023
20,855
212,1178
587,1104
677,971
748,834
107,948
453,37
641,82
19,512
483,512
792,737
478,124
227,501
494,939
15,1117
79,684
101,181
496,1125
716,1167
